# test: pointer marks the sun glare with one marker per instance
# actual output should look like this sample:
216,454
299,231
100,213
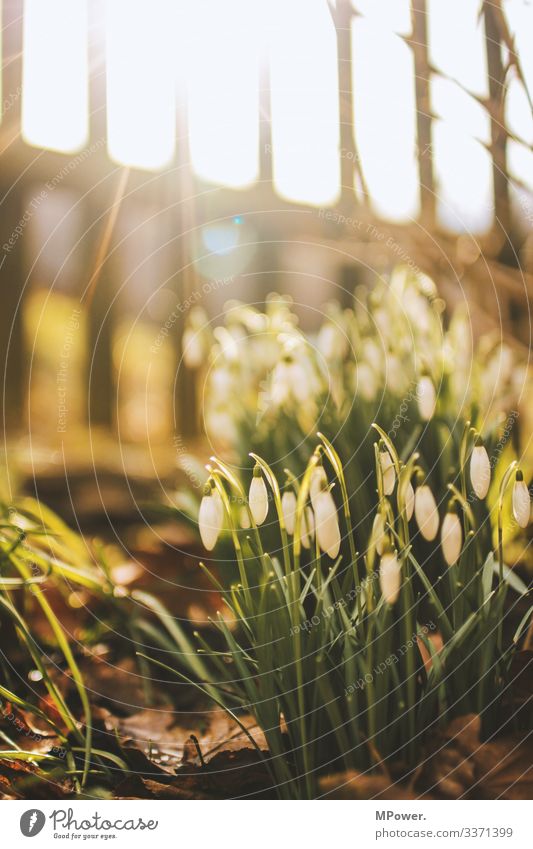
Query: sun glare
140,82
55,74
204,59
222,82
384,109
304,101
463,167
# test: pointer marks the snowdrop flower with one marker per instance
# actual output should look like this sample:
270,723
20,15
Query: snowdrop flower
427,399
221,382
291,379
390,577
387,471
221,427
426,513
480,469
372,354
193,350
258,497
307,530
288,506
331,342
451,537
318,483
521,502
409,501
327,524
378,532
210,517
395,376
367,385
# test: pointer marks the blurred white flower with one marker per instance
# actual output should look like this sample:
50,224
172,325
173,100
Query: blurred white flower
292,380
426,396
480,469
220,426
418,310
390,577
426,513
394,375
366,382
288,506
521,501
193,349
327,524
221,382
258,497
210,518
372,354
451,538
387,471
331,342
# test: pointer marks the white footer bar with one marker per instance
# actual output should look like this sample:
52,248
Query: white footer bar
267,824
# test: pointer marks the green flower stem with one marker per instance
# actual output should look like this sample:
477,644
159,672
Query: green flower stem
216,476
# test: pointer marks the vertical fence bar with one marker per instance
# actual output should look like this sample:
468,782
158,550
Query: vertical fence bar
12,216
265,126
497,90
419,46
100,381
342,18
184,222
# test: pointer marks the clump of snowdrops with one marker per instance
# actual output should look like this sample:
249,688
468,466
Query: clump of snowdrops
349,659
388,359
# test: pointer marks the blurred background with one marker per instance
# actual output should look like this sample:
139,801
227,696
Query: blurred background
157,157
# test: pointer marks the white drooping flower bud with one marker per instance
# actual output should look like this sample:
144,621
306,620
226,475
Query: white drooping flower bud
327,524
378,532
367,384
521,501
331,342
280,387
451,538
193,351
221,427
480,469
307,530
427,399
288,507
409,501
387,471
390,577
318,483
292,380
395,375
258,497
426,513
372,354
210,517
221,382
